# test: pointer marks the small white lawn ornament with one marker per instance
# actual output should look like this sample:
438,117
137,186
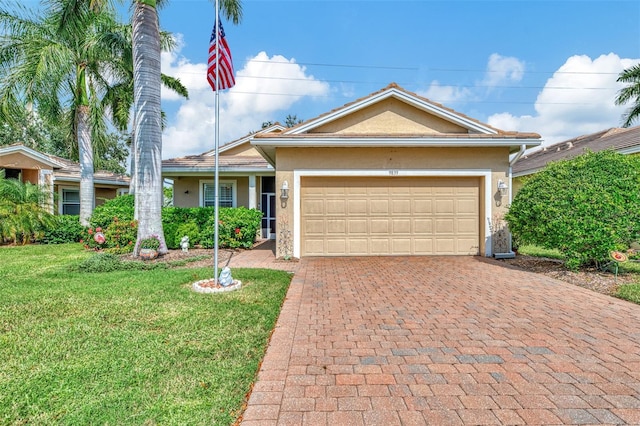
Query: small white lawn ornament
184,243
225,277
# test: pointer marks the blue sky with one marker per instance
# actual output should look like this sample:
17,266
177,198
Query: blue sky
544,66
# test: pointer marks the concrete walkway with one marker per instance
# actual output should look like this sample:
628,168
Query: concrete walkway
261,256
445,340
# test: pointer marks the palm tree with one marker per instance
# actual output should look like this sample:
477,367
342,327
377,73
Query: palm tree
62,62
23,210
120,96
148,118
147,129
630,93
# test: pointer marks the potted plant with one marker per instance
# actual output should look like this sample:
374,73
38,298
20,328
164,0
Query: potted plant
149,247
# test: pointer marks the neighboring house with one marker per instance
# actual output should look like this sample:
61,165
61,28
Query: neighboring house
389,174
245,179
622,140
60,175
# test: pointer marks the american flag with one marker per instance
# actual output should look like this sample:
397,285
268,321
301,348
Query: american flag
225,62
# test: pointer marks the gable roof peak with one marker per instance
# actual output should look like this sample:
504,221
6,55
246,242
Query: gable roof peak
393,90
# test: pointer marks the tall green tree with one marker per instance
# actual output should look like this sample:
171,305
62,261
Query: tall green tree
631,93
120,96
61,59
147,128
28,129
147,132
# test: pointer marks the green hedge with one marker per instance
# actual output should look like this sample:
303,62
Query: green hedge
238,226
65,229
119,207
585,207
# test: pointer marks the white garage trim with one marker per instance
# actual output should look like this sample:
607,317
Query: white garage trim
298,174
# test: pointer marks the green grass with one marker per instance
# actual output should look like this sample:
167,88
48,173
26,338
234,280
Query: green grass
127,347
630,292
531,250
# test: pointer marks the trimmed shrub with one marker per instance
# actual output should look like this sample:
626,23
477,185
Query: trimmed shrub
585,207
237,228
189,229
65,229
121,236
170,234
120,207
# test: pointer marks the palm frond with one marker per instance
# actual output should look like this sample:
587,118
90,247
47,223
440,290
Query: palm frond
175,84
630,93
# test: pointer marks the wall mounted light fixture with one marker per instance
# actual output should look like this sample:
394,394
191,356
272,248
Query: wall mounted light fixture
502,187
284,191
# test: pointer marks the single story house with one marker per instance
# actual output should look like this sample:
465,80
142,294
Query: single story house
392,173
245,179
60,175
622,140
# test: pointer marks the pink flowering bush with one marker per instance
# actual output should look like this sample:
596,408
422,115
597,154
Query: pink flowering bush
119,237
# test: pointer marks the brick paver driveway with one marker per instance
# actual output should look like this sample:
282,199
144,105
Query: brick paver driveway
447,340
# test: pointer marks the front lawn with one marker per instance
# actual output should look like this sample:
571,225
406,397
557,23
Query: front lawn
127,347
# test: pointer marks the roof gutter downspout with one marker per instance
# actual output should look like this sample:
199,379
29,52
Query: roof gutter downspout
519,154
515,159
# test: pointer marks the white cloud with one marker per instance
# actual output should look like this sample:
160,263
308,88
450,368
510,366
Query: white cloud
500,70
445,94
503,69
264,85
578,99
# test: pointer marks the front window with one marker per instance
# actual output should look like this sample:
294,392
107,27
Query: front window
227,194
71,201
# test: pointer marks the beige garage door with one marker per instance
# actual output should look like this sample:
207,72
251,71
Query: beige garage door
389,216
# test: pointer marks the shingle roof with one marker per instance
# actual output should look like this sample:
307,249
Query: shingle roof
623,140
71,171
395,86
207,162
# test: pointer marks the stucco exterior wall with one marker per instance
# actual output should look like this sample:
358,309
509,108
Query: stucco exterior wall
244,149
180,187
104,194
21,161
31,176
433,159
391,116
192,184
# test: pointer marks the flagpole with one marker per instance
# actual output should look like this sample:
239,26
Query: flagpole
217,139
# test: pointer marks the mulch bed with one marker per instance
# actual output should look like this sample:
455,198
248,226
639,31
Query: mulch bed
590,278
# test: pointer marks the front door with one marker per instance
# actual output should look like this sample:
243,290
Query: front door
268,207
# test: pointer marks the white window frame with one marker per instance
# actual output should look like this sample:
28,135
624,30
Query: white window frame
234,190
61,202
122,191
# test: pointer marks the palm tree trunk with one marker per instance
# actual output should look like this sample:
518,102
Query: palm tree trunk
133,164
85,152
148,122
